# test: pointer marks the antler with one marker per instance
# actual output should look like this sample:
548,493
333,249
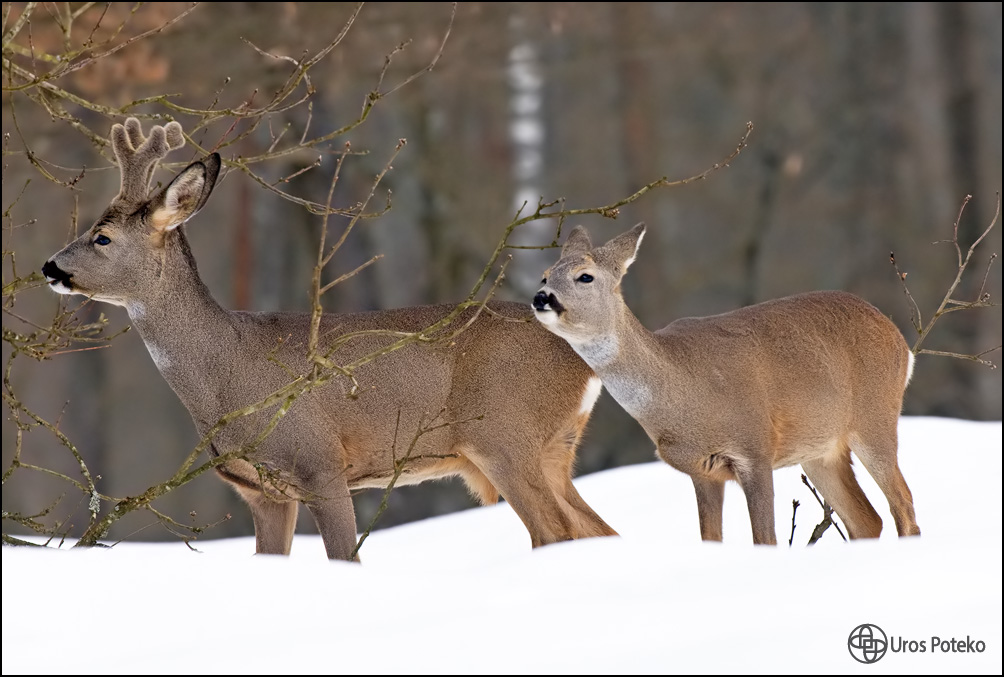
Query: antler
138,155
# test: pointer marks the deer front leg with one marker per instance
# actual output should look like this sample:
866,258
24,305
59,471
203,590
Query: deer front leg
274,521
710,498
330,504
274,524
757,482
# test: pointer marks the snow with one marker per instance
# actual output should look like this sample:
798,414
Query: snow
464,593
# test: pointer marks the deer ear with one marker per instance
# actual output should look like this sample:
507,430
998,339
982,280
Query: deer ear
185,195
577,242
620,252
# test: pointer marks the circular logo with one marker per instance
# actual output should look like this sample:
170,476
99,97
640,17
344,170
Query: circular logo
867,643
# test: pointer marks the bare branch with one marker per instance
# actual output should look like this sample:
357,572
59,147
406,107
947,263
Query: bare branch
401,464
342,278
949,304
915,316
19,23
962,356
817,533
794,509
435,59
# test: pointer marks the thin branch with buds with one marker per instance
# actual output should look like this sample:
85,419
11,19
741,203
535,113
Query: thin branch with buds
401,464
794,509
949,304
821,528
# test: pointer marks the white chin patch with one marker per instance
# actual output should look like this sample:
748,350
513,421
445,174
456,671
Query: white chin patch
548,317
60,288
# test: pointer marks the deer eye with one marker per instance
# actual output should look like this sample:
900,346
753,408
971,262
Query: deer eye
543,280
102,240
585,278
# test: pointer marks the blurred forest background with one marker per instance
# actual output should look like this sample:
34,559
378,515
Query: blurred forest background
872,121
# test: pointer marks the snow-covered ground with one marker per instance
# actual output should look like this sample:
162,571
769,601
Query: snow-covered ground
465,593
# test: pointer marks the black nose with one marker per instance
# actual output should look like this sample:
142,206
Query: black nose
544,301
55,273
540,301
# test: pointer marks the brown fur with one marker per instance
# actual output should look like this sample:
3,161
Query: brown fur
799,380
218,361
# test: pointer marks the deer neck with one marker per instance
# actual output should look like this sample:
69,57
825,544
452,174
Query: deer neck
185,330
629,360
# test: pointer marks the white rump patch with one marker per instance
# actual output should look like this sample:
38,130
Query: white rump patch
593,389
909,367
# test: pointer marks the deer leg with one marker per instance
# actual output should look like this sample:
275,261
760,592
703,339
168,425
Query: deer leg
274,523
757,482
539,510
878,455
336,521
478,485
710,499
330,504
558,459
834,478
590,524
525,487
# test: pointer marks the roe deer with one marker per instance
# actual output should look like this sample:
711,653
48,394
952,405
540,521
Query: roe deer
803,379
217,361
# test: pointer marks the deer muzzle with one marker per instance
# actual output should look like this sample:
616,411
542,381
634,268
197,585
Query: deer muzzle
57,278
545,301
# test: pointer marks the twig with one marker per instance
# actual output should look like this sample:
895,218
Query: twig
827,516
794,509
400,464
948,303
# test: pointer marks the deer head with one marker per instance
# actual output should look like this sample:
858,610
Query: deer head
580,294
121,256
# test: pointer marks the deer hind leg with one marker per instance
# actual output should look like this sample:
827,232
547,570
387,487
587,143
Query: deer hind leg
590,524
521,481
274,522
479,486
834,478
558,461
877,451
710,499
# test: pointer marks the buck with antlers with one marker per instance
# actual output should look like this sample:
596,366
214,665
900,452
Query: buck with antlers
804,379
218,361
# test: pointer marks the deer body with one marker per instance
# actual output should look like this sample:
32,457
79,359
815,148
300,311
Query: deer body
804,379
517,425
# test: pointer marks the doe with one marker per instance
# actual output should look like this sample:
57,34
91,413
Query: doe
804,379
